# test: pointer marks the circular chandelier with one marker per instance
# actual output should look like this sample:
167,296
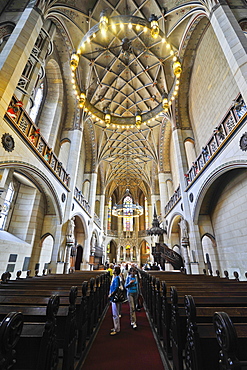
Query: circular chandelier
131,108
127,208
124,210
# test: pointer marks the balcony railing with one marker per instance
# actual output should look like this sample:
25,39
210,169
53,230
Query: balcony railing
113,233
23,124
142,233
82,200
97,220
173,200
221,134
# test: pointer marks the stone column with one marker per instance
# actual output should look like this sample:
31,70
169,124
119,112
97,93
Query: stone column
150,215
50,29
92,198
102,211
75,137
233,43
119,226
58,252
15,54
105,222
164,197
92,192
194,239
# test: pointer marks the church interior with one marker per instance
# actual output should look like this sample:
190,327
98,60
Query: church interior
123,141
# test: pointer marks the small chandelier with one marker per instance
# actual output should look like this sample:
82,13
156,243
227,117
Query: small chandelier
177,69
138,118
165,102
154,26
74,61
82,100
103,23
107,116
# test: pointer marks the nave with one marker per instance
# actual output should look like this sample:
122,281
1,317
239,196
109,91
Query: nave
133,349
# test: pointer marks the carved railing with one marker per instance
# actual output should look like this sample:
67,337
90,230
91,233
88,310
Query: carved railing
97,220
82,200
163,254
112,233
142,233
23,124
173,200
221,134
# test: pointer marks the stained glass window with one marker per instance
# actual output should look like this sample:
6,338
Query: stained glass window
37,102
6,206
109,214
128,214
146,213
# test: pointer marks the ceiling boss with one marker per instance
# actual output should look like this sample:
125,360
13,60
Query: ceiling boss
129,72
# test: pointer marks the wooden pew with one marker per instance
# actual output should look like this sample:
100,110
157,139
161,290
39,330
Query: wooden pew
10,331
232,340
37,347
212,342
89,306
210,291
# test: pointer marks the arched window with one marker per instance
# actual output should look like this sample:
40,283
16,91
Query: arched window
128,214
37,102
146,213
109,214
6,206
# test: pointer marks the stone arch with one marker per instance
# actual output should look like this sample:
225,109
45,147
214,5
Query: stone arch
41,181
51,111
112,251
191,40
145,251
210,183
78,216
81,234
6,28
210,253
46,248
173,226
219,212
97,207
86,189
64,151
189,146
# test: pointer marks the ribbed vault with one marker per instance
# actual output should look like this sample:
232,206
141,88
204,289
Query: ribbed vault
127,71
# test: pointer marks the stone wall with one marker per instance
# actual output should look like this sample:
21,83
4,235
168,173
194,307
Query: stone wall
212,89
229,222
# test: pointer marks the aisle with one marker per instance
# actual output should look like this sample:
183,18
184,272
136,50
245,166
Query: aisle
130,349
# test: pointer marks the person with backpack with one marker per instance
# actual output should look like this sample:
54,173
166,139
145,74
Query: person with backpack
132,287
115,284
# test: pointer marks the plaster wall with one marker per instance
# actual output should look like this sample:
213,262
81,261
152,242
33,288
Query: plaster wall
230,223
174,171
212,89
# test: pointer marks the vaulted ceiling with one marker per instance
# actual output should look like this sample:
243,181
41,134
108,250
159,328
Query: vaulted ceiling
127,71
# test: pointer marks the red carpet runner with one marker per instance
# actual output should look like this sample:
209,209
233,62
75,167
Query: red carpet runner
130,349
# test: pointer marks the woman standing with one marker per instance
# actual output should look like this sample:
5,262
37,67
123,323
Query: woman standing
132,287
115,306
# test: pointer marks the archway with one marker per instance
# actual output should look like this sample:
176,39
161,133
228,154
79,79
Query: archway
112,251
145,252
76,257
46,252
79,254
209,254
